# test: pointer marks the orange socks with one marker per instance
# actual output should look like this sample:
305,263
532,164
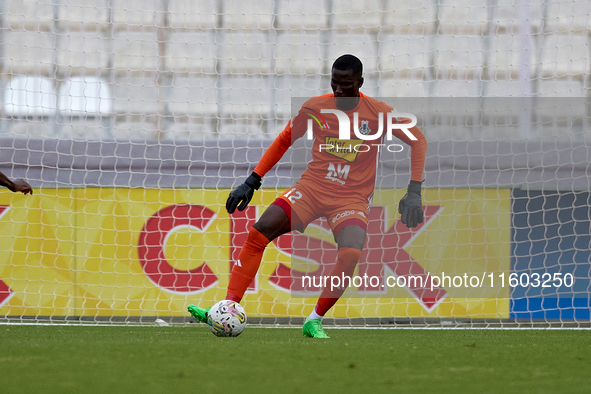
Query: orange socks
245,269
346,261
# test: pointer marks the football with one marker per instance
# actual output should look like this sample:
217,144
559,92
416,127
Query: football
227,319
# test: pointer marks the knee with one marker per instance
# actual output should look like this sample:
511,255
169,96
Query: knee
351,236
273,223
264,228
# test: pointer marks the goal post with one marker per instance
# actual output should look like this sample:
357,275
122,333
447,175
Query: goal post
133,120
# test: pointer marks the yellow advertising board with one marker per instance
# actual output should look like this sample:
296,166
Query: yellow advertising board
150,252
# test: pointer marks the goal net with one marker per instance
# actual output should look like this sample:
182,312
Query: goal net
133,120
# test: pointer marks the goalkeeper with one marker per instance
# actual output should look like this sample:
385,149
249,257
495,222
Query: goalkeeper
338,184
18,185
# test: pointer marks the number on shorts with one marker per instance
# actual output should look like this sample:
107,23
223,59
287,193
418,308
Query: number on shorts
293,195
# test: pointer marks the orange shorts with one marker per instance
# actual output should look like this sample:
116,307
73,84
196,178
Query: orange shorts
303,203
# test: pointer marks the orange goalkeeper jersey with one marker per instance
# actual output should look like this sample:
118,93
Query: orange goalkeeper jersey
343,166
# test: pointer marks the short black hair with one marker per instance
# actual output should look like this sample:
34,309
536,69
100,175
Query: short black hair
348,62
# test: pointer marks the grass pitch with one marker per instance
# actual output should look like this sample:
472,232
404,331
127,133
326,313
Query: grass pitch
189,359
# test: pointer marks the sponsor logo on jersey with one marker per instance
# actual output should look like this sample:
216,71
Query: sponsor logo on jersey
343,149
338,173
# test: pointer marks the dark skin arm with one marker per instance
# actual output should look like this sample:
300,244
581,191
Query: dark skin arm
18,185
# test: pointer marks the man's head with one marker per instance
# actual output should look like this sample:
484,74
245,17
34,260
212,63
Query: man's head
346,76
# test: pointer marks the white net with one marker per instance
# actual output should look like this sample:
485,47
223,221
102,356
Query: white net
133,119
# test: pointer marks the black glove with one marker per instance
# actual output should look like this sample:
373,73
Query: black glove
410,207
241,196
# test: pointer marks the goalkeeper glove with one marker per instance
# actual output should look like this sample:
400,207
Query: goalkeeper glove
410,207
241,196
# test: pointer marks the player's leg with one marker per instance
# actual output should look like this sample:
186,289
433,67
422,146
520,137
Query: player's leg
273,223
292,211
350,240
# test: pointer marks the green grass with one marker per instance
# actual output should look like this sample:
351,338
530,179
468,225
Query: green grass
99,359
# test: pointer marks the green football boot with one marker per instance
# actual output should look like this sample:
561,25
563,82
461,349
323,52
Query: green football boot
313,329
200,314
